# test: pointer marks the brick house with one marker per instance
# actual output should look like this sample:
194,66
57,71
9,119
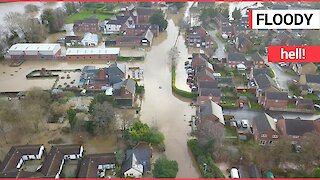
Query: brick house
275,100
295,128
211,111
305,104
264,83
198,37
87,25
258,61
243,43
144,14
313,81
304,68
204,75
205,94
208,84
124,92
265,130
234,59
198,60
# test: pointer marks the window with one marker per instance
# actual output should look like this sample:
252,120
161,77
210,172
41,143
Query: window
264,135
275,136
262,142
270,142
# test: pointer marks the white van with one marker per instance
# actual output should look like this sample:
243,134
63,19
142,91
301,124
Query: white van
234,173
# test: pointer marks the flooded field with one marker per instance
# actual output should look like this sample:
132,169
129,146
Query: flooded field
13,79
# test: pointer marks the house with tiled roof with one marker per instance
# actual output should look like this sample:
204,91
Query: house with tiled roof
264,83
87,25
137,161
13,161
264,129
206,94
124,92
211,111
273,100
56,158
312,80
304,68
294,129
234,59
96,165
258,61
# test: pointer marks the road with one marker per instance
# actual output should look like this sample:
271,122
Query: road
220,53
281,77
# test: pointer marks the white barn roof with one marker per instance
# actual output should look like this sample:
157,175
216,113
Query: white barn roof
92,51
34,49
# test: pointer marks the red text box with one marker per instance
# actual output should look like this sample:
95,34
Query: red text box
294,54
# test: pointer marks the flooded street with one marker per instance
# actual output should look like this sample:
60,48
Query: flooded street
162,109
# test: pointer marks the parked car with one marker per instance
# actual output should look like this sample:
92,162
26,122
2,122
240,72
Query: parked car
245,123
234,173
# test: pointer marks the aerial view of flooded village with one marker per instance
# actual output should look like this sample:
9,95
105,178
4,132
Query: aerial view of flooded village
162,89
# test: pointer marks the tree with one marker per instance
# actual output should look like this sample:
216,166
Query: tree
236,14
20,24
158,19
210,131
142,132
90,127
103,116
309,156
70,8
164,168
54,19
72,118
223,8
30,8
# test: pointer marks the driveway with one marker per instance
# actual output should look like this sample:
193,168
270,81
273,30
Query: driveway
281,77
220,53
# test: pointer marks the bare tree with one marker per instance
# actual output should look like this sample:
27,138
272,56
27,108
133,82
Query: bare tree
103,116
208,131
26,27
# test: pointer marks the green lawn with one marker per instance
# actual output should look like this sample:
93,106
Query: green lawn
230,131
246,94
86,14
311,96
255,106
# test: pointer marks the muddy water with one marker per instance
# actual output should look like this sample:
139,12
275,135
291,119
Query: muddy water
5,8
162,109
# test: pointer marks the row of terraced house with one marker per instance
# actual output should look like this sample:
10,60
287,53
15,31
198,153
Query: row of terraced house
137,162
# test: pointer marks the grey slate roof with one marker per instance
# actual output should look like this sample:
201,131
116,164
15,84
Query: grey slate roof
15,154
208,84
256,57
143,156
264,123
236,57
277,95
129,84
210,92
204,72
89,164
264,82
211,108
310,78
298,127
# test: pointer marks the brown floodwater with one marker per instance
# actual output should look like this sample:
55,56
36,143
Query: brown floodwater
162,109
159,107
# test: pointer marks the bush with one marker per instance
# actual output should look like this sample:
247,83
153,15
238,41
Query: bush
142,132
164,168
179,91
205,161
